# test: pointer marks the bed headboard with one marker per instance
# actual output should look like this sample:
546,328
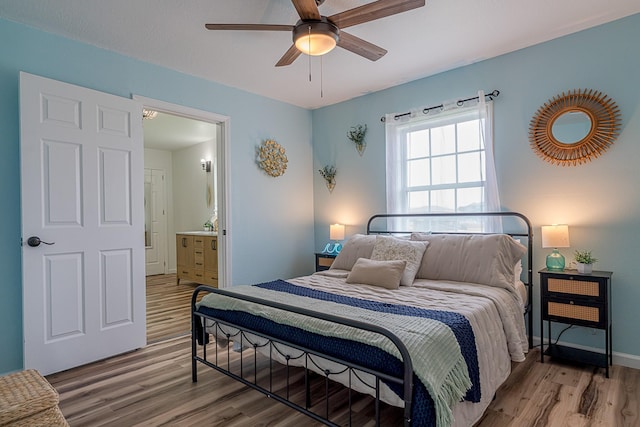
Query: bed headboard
513,224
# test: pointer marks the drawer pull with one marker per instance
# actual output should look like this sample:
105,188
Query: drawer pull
571,302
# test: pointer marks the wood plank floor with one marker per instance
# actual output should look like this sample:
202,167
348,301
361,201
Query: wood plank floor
168,307
153,387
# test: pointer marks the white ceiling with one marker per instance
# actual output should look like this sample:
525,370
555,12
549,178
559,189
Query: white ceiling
171,133
442,35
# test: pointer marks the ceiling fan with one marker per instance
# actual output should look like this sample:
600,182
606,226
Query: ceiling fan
315,34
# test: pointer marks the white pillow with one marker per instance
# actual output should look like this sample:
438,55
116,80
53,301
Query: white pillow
386,274
517,272
389,248
420,237
517,269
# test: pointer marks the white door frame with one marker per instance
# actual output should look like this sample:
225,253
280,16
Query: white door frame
222,192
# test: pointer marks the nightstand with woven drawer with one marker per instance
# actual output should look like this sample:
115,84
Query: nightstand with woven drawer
324,260
576,299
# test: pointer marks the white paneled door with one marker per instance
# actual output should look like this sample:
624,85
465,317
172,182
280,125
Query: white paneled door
155,235
82,171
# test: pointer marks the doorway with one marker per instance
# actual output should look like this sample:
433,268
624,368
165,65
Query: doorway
182,193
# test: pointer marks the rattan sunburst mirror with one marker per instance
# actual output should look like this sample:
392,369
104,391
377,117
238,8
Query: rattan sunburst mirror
575,127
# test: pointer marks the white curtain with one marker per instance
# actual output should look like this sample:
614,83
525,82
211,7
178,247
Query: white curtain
491,193
396,126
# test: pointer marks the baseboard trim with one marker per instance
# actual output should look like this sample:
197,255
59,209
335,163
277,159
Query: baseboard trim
622,359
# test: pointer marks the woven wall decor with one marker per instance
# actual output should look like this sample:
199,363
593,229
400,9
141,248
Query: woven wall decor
272,158
600,118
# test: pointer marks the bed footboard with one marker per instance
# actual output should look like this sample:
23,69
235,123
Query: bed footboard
273,347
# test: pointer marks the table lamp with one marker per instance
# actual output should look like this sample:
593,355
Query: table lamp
336,232
555,236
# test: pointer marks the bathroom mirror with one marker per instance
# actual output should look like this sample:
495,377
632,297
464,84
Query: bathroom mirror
575,127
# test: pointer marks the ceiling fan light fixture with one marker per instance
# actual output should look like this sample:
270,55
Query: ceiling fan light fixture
149,114
315,37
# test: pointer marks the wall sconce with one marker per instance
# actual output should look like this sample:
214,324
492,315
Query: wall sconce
555,236
336,232
206,165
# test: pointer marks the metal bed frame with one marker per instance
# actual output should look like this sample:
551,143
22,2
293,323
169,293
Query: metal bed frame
243,339
525,231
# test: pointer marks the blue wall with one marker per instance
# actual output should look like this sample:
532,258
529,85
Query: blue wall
266,212
600,200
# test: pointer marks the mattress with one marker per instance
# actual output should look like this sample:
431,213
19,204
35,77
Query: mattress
495,315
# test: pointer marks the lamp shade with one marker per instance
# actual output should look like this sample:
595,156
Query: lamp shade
336,232
555,236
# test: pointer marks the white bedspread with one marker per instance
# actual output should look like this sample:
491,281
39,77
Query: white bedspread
495,315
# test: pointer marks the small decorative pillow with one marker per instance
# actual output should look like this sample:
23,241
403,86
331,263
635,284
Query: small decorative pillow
358,246
386,274
389,248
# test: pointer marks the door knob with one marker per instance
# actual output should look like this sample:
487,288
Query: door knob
34,241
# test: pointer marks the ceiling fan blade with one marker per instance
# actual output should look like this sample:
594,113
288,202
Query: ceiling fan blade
360,47
289,56
307,9
372,11
250,27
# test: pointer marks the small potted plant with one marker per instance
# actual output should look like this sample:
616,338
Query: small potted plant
584,261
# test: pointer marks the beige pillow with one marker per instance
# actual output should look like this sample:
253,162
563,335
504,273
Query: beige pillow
475,258
386,274
389,248
358,246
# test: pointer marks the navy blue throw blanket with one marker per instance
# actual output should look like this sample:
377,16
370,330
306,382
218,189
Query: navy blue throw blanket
423,411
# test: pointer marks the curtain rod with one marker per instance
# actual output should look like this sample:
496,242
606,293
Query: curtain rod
460,103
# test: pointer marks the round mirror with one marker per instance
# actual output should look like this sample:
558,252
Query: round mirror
573,128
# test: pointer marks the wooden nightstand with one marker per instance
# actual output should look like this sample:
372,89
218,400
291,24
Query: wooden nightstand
576,299
324,261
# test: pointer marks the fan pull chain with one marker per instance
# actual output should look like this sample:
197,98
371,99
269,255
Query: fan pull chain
321,80
309,55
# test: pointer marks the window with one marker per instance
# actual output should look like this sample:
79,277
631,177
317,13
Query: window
442,162
444,166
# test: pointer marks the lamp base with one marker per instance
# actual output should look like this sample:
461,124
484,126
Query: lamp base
555,261
332,248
